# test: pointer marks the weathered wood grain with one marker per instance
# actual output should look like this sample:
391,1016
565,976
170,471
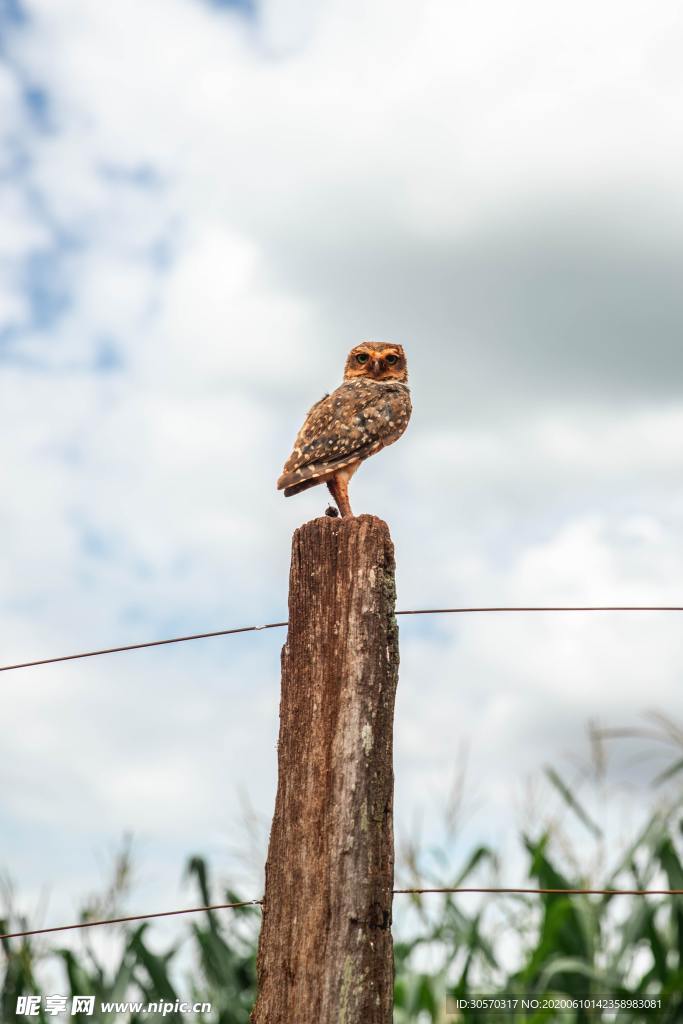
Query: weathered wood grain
325,953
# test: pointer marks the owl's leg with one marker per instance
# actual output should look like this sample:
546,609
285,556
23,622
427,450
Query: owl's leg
339,489
340,492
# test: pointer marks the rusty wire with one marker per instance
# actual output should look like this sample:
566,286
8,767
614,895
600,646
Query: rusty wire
413,891
276,625
546,892
127,920
495,891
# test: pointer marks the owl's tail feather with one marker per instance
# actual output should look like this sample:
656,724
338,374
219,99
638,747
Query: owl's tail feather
304,485
310,476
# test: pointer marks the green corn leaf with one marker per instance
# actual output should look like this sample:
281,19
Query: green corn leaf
675,769
572,802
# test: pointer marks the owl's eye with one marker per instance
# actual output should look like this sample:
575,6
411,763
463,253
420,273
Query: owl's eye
362,357
391,360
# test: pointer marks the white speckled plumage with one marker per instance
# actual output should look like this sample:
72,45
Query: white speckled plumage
368,412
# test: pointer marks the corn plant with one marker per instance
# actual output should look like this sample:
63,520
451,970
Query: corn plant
446,948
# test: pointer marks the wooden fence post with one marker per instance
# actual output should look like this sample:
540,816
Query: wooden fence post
325,952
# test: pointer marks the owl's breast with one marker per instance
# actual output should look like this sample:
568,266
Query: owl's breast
380,412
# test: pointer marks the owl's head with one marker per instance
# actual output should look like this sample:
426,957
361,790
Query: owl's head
377,360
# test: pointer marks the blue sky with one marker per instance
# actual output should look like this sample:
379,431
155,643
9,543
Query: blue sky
204,206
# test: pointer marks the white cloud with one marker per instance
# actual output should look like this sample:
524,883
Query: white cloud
225,210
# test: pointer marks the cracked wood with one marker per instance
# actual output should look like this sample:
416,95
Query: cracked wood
325,952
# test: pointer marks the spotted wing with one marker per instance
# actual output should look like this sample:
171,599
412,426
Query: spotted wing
354,422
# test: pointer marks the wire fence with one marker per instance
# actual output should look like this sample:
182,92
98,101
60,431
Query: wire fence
495,891
499,891
515,609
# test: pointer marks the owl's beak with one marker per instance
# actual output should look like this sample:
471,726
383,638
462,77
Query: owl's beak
377,367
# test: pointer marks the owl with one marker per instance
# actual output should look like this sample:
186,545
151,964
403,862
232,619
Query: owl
369,411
